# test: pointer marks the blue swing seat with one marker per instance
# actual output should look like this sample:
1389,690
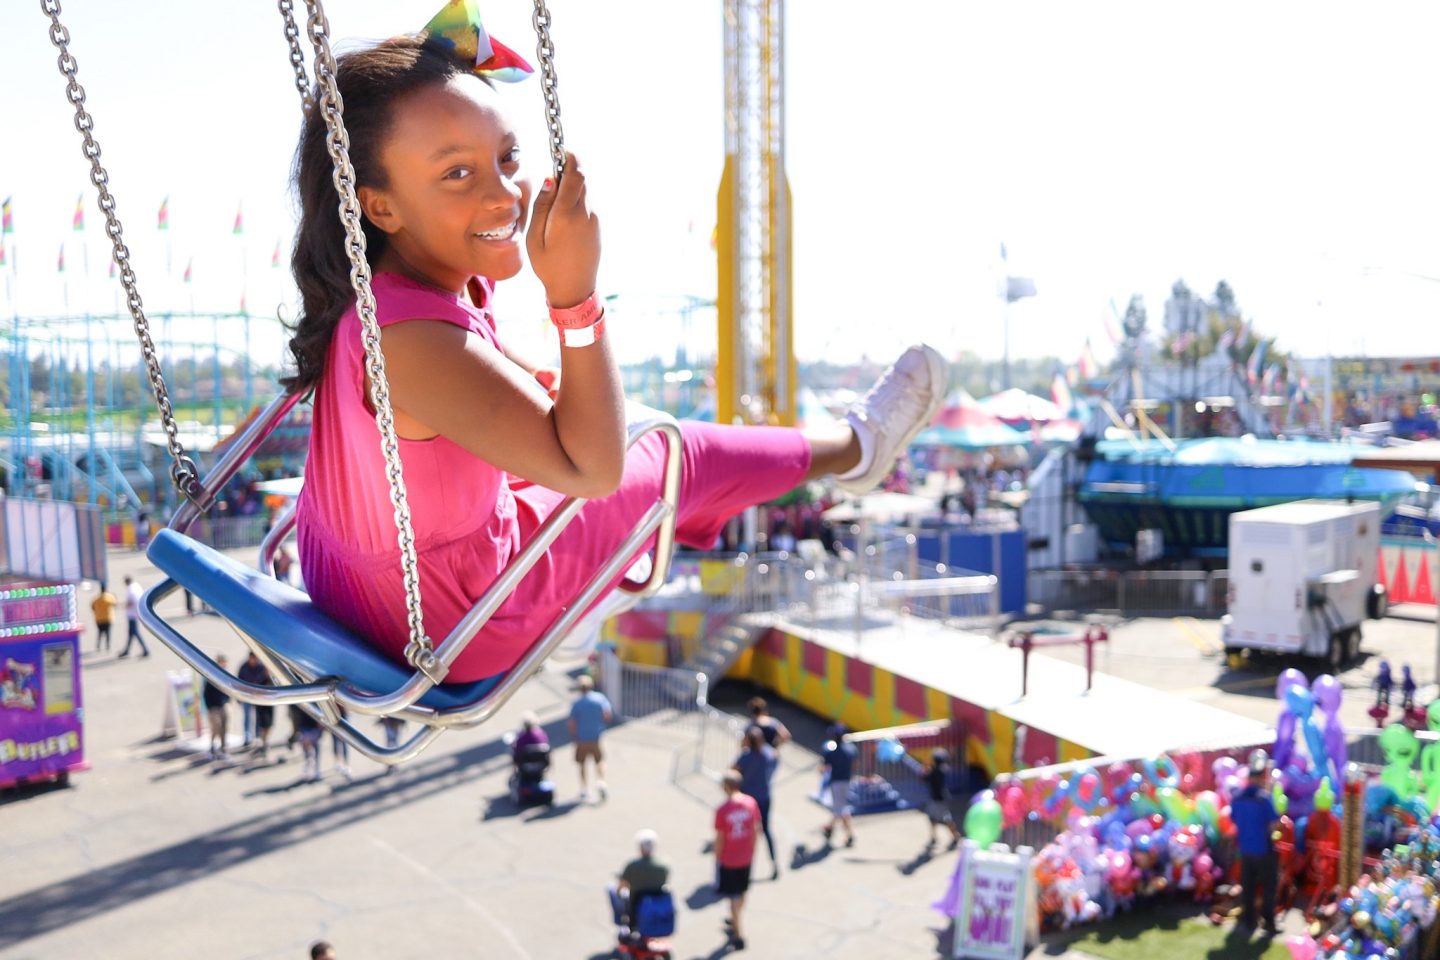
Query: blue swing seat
286,622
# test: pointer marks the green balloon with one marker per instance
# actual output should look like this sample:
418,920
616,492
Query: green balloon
983,821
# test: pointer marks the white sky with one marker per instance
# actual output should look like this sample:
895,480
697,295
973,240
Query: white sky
1288,147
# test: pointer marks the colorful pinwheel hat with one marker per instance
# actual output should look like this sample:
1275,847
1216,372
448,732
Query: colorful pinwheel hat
458,25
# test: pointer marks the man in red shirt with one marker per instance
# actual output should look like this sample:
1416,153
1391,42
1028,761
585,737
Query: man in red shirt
737,821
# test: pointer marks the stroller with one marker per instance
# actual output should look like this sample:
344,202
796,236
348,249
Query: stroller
654,918
528,785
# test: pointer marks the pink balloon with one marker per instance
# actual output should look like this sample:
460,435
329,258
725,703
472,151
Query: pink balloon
1302,946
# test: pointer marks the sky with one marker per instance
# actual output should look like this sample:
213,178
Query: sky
1113,148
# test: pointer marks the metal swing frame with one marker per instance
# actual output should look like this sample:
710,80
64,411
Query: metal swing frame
327,697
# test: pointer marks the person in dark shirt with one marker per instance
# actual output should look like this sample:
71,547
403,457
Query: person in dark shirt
936,775
215,700
258,719
756,766
837,762
773,730
1255,819
646,874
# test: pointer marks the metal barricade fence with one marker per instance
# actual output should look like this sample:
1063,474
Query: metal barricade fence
231,533
677,701
1131,592
879,782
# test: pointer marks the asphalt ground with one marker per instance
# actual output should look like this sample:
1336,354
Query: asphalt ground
158,851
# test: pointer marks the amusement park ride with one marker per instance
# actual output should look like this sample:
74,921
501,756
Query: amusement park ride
317,664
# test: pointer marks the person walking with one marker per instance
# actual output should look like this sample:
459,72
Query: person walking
756,766
774,731
588,717
103,606
937,804
253,671
1255,819
307,731
215,700
837,764
737,823
133,593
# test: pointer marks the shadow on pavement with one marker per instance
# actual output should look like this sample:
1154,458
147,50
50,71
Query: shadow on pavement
703,896
66,902
803,856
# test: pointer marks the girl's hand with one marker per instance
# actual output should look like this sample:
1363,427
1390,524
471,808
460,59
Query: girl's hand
564,238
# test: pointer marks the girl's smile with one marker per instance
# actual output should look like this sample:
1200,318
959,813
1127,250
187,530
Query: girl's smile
453,203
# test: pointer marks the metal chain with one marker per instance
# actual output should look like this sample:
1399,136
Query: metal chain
545,52
297,54
419,651
183,472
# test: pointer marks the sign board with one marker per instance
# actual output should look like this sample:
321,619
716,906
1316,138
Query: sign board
182,705
996,919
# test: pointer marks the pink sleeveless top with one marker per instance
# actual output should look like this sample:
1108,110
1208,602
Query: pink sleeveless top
464,513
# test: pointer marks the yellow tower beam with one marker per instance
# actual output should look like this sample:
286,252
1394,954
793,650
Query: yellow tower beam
755,366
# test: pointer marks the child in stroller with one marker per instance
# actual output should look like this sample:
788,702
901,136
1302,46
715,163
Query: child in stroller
530,752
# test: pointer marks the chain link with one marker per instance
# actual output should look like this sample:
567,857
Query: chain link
183,472
418,651
297,54
545,53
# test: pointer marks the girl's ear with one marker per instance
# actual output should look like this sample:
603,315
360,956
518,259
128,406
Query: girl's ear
377,209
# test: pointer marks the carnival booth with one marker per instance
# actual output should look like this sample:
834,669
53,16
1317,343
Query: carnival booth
41,711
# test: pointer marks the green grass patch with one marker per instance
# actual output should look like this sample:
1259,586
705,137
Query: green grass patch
1166,935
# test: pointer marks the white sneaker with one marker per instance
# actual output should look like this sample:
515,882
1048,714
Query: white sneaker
901,404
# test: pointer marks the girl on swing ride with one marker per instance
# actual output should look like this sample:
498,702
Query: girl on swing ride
492,443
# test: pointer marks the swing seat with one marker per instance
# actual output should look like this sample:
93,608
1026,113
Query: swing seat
293,628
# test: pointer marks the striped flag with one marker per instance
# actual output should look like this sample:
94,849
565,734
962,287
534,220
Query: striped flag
1060,393
1226,341
1111,330
1254,369
77,222
189,270
275,257
1087,366
162,221
239,227
7,217
2,249
60,263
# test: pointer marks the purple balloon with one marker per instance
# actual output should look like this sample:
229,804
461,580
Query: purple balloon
1327,693
1289,678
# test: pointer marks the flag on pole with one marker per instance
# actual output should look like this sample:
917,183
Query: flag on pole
7,217
1226,341
242,302
1111,330
60,263
239,227
2,249
1087,366
189,270
1060,393
163,220
275,257
1257,364
77,222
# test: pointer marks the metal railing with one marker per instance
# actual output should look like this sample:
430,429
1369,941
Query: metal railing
678,701
879,783
1130,592
231,533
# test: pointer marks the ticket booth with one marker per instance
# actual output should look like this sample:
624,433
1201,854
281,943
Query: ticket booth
42,714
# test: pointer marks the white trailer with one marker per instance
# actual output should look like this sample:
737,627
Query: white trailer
1302,579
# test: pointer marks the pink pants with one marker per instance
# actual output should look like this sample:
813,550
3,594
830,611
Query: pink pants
725,469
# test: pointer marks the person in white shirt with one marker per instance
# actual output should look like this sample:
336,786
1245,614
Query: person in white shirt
132,615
